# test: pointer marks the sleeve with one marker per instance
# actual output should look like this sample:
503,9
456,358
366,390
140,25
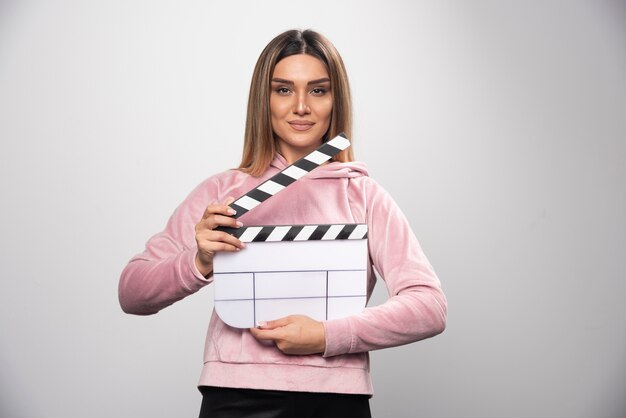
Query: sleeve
416,308
165,272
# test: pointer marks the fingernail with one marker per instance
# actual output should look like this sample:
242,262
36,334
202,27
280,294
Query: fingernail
243,245
261,324
239,224
232,211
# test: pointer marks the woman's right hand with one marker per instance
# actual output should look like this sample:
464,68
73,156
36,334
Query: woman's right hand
210,241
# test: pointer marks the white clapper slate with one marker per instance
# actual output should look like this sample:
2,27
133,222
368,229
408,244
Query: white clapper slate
320,278
314,270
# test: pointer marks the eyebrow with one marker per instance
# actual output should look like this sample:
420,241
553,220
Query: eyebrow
318,81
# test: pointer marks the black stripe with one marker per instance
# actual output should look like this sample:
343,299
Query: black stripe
283,179
329,150
305,164
327,295
254,299
258,195
240,210
346,231
263,234
364,236
320,296
292,233
319,232
236,232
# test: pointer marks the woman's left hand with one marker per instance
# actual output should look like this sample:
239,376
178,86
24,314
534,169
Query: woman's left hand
293,334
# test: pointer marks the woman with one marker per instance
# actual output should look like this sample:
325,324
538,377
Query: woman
293,366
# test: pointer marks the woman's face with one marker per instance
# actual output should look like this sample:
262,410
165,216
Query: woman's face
301,103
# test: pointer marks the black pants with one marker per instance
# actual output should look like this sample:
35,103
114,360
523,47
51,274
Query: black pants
251,403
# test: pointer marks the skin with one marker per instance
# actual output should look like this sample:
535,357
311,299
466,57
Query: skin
301,106
210,241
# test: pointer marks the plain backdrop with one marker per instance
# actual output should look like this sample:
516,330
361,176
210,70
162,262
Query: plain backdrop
498,126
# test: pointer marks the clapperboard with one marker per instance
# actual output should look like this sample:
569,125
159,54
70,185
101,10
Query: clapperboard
314,270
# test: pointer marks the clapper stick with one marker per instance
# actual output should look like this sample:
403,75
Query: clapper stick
279,181
325,232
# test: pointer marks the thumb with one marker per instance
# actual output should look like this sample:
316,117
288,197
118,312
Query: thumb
263,334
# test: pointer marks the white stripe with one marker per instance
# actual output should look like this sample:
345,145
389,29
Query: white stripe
250,233
333,231
271,187
247,202
278,233
294,172
317,157
358,232
339,142
305,233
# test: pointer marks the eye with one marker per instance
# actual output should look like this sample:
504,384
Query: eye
282,90
318,91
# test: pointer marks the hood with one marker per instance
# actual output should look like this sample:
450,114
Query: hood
328,170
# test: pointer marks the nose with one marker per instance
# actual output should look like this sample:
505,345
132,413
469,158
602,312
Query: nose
301,106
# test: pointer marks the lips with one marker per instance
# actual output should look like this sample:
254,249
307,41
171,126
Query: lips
301,125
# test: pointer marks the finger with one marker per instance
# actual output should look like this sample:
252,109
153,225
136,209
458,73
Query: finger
277,323
222,209
264,335
211,247
216,240
215,220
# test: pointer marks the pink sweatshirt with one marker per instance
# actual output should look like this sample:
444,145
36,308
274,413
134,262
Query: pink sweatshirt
333,193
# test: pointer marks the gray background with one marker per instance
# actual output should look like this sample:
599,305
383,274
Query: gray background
499,127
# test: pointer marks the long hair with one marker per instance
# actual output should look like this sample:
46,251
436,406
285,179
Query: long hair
259,144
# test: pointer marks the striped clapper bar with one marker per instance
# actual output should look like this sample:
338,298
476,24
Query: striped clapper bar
287,176
314,270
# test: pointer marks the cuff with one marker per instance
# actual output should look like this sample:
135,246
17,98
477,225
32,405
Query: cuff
338,333
193,279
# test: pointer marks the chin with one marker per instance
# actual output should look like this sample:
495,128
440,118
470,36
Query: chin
305,138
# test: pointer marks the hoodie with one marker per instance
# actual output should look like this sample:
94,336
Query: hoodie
165,272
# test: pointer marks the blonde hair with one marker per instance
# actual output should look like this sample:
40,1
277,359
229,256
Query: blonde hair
259,144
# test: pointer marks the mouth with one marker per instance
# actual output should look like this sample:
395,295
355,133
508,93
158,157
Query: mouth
301,125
